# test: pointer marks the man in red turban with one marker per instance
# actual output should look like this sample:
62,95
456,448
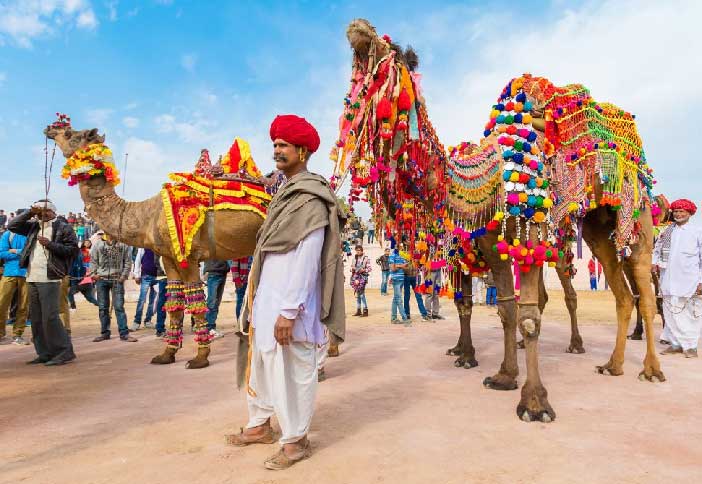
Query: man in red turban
677,257
295,297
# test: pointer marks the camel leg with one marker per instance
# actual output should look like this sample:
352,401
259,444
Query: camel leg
637,334
458,349
175,304
571,302
534,405
464,305
640,263
196,305
506,377
603,249
659,298
543,300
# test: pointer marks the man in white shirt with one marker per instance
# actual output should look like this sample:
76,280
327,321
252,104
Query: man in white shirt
677,257
296,283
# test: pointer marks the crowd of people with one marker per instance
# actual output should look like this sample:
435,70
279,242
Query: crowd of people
98,268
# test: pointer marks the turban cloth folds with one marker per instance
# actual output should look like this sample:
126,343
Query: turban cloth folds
295,130
684,204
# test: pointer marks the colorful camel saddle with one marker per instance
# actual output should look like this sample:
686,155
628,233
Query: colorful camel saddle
190,196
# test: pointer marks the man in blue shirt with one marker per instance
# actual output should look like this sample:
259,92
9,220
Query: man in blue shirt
397,278
13,281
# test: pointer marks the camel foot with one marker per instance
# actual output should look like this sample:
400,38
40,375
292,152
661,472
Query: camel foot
333,350
610,369
500,382
464,361
635,336
575,348
520,345
165,358
455,351
652,371
534,406
200,360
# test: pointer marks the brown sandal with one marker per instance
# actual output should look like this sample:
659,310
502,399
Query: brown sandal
280,461
242,440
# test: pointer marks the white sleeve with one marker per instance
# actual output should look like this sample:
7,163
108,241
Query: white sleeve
699,251
301,268
136,268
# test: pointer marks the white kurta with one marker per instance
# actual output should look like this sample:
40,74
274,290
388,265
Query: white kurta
284,378
680,275
290,285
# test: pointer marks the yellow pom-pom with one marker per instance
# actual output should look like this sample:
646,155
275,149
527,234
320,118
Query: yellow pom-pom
500,238
499,216
504,256
593,205
548,203
572,206
494,113
526,118
514,177
552,264
515,242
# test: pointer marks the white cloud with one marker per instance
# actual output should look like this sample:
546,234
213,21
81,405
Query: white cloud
21,21
98,116
130,121
87,20
194,130
188,61
112,10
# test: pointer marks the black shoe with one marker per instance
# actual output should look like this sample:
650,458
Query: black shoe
38,361
102,337
58,361
160,334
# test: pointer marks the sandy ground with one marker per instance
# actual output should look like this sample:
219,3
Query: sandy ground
393,409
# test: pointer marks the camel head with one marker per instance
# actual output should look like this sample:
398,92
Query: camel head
95,188
366,43
70,140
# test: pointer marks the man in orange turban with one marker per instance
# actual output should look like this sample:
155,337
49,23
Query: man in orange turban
677,257
295,297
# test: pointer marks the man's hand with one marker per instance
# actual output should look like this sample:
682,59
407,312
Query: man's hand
655,269
138,281
95,277
699,289
283,330
43,241
12,251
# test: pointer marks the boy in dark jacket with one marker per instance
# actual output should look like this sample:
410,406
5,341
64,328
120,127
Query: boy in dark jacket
48,255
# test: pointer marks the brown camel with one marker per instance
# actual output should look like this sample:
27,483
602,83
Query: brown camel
143,224
597,226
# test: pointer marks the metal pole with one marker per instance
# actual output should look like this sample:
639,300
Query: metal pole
124,178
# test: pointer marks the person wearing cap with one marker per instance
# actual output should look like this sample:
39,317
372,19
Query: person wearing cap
296,288
677,258
48,254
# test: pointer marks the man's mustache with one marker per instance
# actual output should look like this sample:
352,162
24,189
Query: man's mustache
280,157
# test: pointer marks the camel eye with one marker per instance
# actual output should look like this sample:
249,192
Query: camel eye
68,133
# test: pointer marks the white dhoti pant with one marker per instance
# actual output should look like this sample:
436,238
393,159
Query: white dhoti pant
683,318
285,383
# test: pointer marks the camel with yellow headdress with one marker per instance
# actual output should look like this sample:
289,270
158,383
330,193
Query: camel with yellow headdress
554,166
211,213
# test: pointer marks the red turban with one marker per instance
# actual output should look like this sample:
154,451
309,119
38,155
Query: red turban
295,130
684,204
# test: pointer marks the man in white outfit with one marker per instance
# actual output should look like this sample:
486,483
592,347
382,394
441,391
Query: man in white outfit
296,289
677,257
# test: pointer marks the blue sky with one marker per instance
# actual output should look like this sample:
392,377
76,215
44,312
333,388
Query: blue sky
164,79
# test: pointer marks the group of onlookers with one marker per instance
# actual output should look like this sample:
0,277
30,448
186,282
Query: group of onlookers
45,264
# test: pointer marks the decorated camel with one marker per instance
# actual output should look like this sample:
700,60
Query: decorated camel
553,165
195,218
